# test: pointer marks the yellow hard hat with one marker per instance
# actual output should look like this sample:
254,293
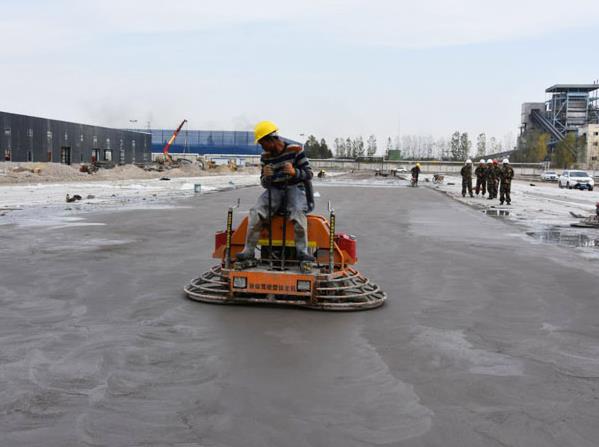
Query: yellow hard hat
264,128
418,164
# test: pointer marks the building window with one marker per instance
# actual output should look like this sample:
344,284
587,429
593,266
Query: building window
95,140
81,138
49,143
133,151
121,151
108,143
65,155
7,154
107,155
95,155
29,156
30,132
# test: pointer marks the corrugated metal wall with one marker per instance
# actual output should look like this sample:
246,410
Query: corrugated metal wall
28,138
206,141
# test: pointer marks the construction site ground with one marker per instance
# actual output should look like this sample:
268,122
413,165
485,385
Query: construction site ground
488,338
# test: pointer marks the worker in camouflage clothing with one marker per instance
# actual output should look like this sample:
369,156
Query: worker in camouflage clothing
490,176
497,169
466,173
506,176
481,180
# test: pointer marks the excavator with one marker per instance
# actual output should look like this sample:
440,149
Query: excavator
166,157
277,277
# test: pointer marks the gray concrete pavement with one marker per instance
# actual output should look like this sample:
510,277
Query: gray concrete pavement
488,339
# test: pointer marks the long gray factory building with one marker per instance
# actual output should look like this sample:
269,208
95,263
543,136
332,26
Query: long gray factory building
29,138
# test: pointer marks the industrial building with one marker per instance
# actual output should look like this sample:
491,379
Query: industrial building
203,142
569,108
28,138
590,132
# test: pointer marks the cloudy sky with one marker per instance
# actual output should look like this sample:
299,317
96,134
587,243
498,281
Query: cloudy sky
331,68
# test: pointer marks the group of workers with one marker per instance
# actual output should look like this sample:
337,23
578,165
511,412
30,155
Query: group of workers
490,178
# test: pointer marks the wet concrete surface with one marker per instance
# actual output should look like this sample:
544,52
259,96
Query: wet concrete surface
565,237
496,212
487,339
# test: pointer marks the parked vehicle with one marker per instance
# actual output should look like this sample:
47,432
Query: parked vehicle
576,179
549,176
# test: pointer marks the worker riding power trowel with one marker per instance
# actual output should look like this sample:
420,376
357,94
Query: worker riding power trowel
301,262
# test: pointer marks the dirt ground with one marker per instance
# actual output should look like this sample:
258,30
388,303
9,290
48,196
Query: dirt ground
11,173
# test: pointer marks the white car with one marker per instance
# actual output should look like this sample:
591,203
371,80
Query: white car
576,179
549,176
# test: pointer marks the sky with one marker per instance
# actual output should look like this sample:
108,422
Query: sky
328,68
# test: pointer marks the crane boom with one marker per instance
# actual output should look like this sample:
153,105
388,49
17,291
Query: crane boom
171,141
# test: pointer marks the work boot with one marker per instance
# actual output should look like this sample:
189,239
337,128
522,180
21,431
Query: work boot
471,195
253,236
304,256
501,202
246,255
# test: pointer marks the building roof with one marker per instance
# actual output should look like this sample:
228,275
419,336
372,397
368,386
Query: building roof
572,88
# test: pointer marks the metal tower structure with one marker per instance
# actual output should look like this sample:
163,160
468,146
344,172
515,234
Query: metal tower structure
570,107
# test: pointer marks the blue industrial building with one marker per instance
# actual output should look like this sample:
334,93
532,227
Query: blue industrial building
206,142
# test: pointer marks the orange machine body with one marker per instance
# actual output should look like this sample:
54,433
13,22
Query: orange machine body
290,282
318,240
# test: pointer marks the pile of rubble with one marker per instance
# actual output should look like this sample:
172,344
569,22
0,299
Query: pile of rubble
13,172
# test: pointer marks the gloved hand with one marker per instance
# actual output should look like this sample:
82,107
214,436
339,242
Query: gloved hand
267,171
289,169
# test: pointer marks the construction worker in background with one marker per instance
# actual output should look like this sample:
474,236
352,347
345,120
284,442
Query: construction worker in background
497,176
506,176
466,173
491,177
481,180
415,173
284,169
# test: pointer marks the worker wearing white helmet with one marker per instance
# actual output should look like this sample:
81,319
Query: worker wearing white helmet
506,175
466,173
491,176
481,180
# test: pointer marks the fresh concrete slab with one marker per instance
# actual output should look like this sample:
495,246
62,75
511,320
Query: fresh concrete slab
488,338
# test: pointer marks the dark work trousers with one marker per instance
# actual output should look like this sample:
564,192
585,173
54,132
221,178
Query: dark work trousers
466,185
505,189
481,185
